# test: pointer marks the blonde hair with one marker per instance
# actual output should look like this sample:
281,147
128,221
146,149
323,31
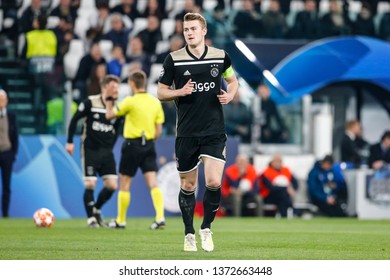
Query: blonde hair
195,16
351,124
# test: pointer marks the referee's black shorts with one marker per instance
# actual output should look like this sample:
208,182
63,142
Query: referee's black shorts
190,150
135,154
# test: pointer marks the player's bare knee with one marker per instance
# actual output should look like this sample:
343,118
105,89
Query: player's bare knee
213,183
111,187
90,184
189,186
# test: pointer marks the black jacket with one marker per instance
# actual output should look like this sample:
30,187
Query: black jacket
13,133
376,153
349,150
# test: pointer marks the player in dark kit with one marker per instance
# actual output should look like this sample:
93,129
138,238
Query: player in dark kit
98,138
192,77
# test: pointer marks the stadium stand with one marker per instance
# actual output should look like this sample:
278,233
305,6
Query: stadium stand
14,78
162,46
167,27
52,21
155,71
139,25
73,57
106,47
81,27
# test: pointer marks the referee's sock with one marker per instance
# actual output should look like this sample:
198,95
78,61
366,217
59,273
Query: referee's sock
89,202
123,204
187,206
211,200
158,203
104,195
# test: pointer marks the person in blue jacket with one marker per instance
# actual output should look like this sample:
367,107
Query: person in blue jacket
327,189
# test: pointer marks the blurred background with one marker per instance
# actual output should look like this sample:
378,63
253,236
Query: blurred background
307,70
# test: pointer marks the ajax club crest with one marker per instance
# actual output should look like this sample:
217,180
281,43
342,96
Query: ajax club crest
214,72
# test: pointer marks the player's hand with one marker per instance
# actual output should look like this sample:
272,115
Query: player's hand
331,200
188,88
69,147
290,190
224,97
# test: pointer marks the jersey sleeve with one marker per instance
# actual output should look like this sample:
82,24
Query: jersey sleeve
123,107
167,72
227,68
82,111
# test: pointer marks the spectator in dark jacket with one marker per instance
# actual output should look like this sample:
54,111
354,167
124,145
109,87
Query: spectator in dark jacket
380,152
30,13
247,22
137,54
91,59
127,8
151,35
327,190
307,23
274,24
353,145
273,129
153,8
336,22
238,119
64,33
364,23
65,10
118,34
384,27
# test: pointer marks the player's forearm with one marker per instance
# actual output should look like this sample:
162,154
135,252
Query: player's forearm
167,94
158,131
71,130
232,86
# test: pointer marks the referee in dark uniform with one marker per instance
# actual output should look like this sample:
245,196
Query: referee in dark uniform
98,138
192,77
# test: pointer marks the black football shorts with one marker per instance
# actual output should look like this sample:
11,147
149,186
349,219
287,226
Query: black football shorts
98,162
190,150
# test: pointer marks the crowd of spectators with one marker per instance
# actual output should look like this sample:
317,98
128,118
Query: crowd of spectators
115,20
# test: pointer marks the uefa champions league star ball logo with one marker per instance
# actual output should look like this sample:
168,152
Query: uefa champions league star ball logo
162,72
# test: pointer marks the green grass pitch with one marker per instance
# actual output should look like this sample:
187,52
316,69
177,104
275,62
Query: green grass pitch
234,239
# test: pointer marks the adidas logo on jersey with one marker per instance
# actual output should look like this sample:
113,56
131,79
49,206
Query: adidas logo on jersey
187,73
